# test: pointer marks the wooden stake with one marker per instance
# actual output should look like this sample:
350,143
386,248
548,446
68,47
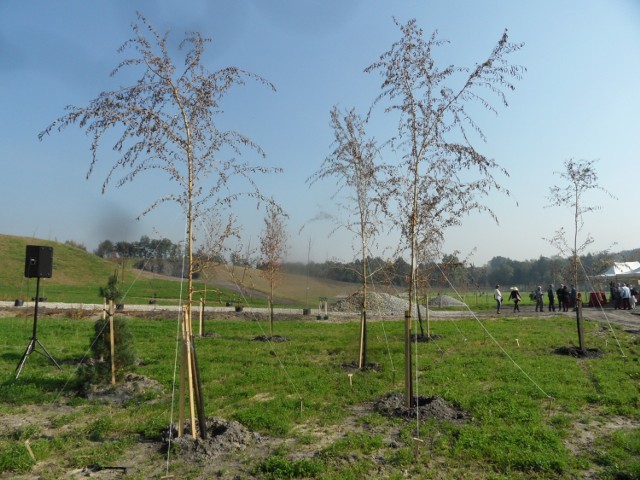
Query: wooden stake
113,344
29,451
199,397
183,368
408,379
578,307
201,329
192,406
363,330
416,445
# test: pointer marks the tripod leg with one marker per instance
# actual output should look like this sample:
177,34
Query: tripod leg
25,355
53,360
34,339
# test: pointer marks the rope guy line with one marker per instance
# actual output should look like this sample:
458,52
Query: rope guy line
602,310
176,355
278,358
495,341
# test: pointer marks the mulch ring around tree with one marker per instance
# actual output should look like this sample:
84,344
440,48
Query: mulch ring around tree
425,338
210,335
577,352
273,339
353,366
393,406
223,436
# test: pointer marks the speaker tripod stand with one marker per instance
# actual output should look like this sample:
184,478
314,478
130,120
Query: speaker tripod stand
34,342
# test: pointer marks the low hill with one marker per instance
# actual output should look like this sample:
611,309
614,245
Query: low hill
291,288
72,267
78,276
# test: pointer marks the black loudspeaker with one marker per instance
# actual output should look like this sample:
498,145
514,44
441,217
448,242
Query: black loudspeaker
38,262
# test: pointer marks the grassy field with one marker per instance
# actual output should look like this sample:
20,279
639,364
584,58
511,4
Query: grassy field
533,414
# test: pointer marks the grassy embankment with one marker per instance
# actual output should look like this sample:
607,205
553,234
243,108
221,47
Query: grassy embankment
78,276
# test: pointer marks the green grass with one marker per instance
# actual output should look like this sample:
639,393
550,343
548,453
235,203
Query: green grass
519,423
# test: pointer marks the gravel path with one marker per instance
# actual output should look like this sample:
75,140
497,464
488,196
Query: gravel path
384,306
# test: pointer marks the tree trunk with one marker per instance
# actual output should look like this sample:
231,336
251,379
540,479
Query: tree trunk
419,315
271,305
580,325
408,371
362,356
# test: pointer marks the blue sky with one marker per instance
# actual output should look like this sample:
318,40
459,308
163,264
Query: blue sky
578,99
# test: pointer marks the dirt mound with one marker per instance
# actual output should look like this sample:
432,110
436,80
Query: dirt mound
427,407
223,436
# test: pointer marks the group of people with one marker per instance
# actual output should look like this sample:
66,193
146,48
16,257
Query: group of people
566,298
623,296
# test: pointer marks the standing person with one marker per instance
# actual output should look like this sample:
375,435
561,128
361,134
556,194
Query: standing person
625,294
551,297
515,296
498,298
539,299
560,298
634,292
615,295
565,298
573,298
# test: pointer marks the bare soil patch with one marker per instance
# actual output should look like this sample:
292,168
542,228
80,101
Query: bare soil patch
130,387
586,432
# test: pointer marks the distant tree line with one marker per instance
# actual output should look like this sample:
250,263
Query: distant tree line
165,257
525,274
153,255
464,276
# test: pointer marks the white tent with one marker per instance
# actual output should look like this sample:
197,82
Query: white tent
630,275
619,269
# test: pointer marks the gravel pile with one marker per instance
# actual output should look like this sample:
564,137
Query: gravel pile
445,301
377,303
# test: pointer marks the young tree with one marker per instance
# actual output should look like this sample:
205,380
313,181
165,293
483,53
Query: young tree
580,177
112,291
441,174
166,122
273,248
352,165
